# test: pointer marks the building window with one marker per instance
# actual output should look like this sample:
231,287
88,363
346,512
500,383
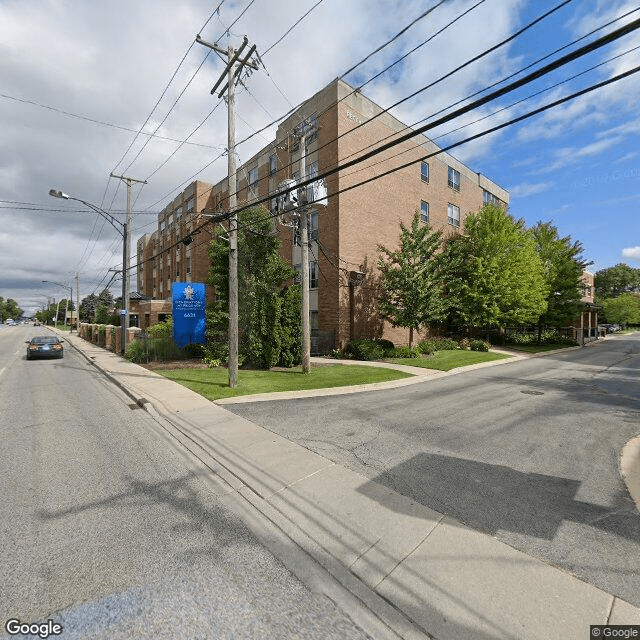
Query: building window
312,223
273,164
453,215
489,198
424,212
178,213
454,179
252,180
191,203
424,172
313,275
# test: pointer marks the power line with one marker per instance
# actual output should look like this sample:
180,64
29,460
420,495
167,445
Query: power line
534,75
100,122
439,151
430,85
424,14
499,82
164,91
537,74
505,108
293,109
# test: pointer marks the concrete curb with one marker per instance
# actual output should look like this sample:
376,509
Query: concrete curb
630,468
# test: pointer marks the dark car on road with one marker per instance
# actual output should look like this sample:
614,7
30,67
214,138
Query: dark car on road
44,347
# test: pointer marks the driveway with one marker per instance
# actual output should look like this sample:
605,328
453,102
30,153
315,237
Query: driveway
526,451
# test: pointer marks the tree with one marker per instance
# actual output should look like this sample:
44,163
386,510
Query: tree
624,309
103,308
563,267
266,306
613,281
411,295
9,309
88,308
494,274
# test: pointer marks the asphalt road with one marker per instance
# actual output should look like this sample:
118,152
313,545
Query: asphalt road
110,529
526,451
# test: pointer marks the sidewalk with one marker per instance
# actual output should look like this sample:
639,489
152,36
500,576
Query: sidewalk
422,574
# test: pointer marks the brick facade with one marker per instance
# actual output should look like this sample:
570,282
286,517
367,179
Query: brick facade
353,224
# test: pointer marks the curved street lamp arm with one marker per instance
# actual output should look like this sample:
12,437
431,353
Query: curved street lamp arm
107,216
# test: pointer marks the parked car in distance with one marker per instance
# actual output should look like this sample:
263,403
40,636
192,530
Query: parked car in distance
609,328
44,347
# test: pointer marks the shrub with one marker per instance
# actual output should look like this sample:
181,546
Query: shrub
520,338
365,350
478,345
547,337
464,343
217,350
136,352
387,345
427,346
446,344
113,339
404,352
212,363
336,353
193,350
430,345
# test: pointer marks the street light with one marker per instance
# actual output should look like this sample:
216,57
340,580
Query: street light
123,230
67,306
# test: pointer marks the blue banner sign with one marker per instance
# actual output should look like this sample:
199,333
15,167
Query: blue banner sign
188,313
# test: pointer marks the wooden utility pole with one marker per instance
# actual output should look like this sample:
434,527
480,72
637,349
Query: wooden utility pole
304,246
232,71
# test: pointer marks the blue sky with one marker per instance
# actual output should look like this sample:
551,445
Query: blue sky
77,79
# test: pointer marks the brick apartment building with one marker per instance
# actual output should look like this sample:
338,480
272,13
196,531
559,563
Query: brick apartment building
345,234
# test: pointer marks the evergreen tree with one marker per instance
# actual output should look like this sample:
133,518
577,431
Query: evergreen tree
494,274
88,308
411,294
267,335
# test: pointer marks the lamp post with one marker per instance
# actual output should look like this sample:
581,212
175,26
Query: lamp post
123,230
59,284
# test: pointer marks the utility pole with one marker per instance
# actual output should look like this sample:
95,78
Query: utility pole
232,71
304,246
77,305
126,259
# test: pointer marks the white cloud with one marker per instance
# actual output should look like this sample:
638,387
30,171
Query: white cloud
529,189
631,253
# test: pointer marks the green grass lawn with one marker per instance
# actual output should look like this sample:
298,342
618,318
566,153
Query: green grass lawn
447,360
213,383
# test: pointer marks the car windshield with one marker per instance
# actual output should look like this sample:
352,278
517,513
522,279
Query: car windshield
44,340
